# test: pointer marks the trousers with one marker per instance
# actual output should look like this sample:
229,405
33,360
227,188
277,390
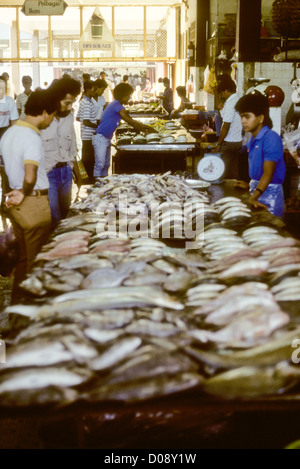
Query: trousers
88,158
102,146
60,192
230,155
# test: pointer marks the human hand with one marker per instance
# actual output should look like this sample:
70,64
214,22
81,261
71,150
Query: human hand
15,197
241,185
256,204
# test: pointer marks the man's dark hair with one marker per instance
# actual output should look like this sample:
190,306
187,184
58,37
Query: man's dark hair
122,90
26,78
64,86
256,103
125,77
3,79
166,81
86,76
88,85
103,73
40,101
226,85
181,90
160,80
100,83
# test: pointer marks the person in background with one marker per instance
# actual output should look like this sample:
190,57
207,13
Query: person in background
10,89
88,123
98,98
218,120
168,103
108,90
159,89
125,78
110,120
22,98
148,86
86,77
184,102
59,142
27,201
266,154
8,116
230,140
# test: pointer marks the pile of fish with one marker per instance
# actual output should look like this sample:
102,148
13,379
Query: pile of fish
132,318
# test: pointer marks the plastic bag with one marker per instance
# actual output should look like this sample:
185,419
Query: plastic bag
291,141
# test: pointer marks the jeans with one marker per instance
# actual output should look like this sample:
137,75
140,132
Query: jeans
102,147
273,197
60,192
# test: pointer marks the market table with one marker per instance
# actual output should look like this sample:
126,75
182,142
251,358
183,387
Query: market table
189,419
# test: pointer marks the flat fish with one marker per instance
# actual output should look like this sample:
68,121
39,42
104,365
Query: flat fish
246,267
116,353
157,329
102,278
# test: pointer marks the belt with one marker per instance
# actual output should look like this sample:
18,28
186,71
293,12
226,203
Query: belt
39,192
60,165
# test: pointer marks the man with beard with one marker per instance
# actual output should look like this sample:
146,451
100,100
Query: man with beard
60,148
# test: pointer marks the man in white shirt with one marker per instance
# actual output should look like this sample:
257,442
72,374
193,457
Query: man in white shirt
230,139
28,205
108,91
22,98
60,148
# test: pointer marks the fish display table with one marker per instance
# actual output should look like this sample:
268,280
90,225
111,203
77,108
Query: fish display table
136,343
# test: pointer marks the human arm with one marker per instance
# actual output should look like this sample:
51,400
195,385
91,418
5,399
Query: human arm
134,123
88,123
15,197
266,178
223,134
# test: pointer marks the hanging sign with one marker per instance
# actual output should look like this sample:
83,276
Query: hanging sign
44,7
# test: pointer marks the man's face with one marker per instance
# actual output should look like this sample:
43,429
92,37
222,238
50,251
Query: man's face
250,121
66,105
99,91
102,76
47,119
27,84
2,89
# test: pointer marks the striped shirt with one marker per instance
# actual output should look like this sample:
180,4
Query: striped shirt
86,111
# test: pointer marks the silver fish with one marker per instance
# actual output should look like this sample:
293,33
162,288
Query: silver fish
245,268
116,353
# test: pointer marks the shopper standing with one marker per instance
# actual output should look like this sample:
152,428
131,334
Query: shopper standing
22,98
88,123
108,91
168,103
60,148
230,139
28,204
110,120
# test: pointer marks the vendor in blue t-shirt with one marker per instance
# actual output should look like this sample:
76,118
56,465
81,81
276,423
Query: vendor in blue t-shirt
265,149
110,120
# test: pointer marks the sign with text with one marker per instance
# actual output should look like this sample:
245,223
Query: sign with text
44,7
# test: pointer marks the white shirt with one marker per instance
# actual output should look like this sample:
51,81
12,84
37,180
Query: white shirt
107,93
22,144
8,111
59,142
230,115
99,105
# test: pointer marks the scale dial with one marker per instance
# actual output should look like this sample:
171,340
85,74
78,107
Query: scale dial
211,168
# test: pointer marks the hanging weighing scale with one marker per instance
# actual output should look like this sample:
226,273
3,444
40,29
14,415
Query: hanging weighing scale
211,168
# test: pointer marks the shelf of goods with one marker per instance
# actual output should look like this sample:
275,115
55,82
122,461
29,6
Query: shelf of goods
123,341
163,150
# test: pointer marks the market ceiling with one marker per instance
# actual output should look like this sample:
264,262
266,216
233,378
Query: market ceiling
91,3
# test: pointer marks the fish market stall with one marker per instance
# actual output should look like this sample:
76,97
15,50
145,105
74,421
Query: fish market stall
165,150
151,109
126,340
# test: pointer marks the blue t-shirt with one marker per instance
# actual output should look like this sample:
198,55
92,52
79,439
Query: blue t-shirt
110,119
266,146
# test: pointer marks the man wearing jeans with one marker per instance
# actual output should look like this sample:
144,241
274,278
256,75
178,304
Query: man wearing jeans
230,139
60,148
